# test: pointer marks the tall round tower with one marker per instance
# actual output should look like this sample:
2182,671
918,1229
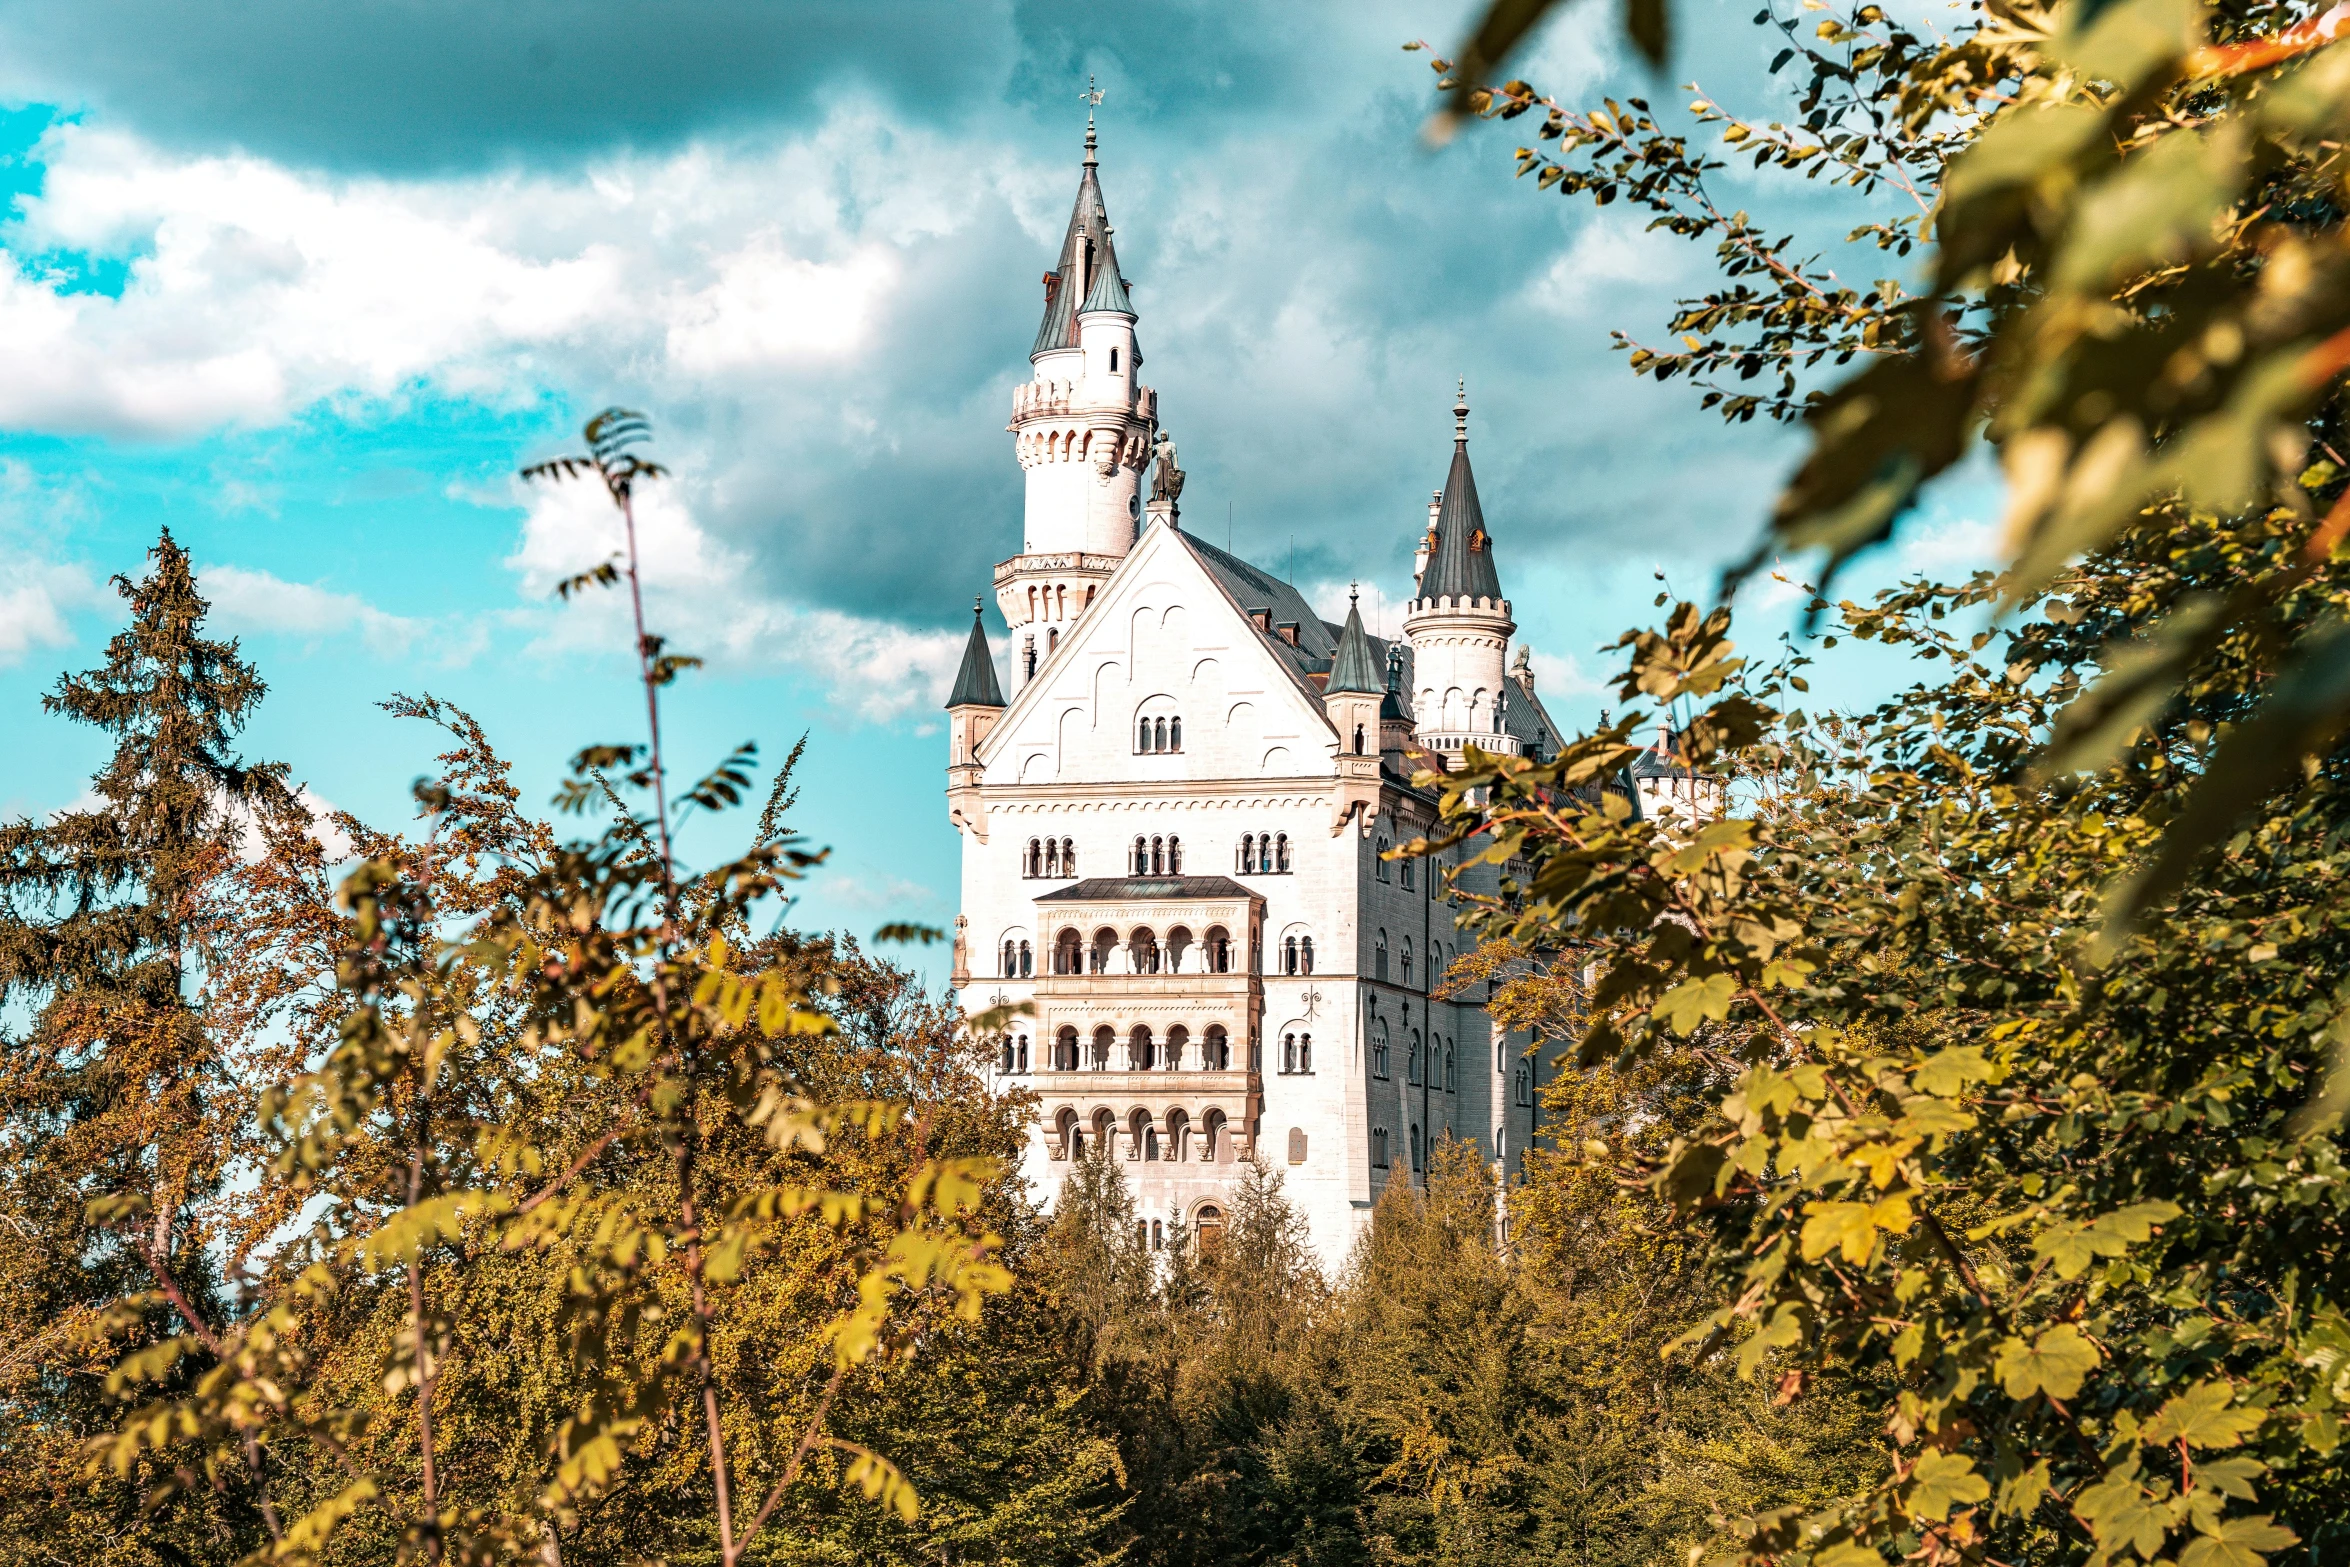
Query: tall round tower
1082,428
1457,622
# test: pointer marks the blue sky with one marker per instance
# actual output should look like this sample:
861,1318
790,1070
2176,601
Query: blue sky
307,284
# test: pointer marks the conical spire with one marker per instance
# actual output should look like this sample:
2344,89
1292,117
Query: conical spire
1087,275
1354,668
975,684
1461,565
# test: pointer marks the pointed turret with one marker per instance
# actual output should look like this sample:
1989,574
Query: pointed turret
973,707
1354,667
1461,564
975,682
1086,277
1457,622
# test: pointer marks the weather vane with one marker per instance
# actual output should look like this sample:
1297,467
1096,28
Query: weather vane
1091,96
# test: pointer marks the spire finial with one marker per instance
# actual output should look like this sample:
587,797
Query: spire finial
1354,594
1460,412
976,612
1093,97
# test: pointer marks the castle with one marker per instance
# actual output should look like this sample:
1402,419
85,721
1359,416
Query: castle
1174,827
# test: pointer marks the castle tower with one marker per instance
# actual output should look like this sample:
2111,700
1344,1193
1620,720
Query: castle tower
1351,696
973,707
1458,623
1081,427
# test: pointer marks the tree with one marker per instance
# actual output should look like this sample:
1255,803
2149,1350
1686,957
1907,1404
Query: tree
120,1105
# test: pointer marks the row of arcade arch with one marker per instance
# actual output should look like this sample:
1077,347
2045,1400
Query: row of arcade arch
1172,1136
1141,1050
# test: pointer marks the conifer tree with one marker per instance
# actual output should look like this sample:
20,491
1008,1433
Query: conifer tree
116,1103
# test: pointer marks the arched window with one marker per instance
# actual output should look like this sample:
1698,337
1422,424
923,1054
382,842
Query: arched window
1218,948
1452,1084
1142,1052
1011,958
1052,639
1034,864
1378,1147
1524,1086
1305,954
1289,955
1305,1052
1411,1061
1027,961
1052,857
1297,1145
1379,1050
1142,951
1004,1056
1281,853
1142,735
1179,943
1248,852
1215,1142
1379,847
1072,1135
1174,856
1175,733
1103,1039
1113,361
1159,735
1407,960
1142,856
1358,739
1207,1228
1068,953
1105,942
1415,1149
1065,1051
1379,956
1406,867
1216,1050
1068,856
1178,1040
1288,1053
1028,657
1158,857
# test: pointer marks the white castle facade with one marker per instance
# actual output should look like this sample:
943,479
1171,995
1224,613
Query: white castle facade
1173,827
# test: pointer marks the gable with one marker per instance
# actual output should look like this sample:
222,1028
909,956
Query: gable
1163,641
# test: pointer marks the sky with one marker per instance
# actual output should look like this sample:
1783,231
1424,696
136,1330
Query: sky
309,284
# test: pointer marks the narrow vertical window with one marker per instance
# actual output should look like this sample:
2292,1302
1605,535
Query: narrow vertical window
1305,1052
1175,733
1114,371
1174,856
1281,853
1289,956
1142,736
1027,961
1160,734
1158,857
1248,848
1305,955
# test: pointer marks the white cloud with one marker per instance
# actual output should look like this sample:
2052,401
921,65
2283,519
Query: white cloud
35,597
248,601
1557,676
767,307
704,597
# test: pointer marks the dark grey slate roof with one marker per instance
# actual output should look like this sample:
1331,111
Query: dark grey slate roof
975,683
1524,716
1462,563
1107,889
1088,267
1109,289
1353,666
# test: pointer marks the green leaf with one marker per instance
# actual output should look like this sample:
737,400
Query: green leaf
2202,1416
1692,1001
1947,1071
2238,1542
2120,1513
2056,1363
1943,1481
